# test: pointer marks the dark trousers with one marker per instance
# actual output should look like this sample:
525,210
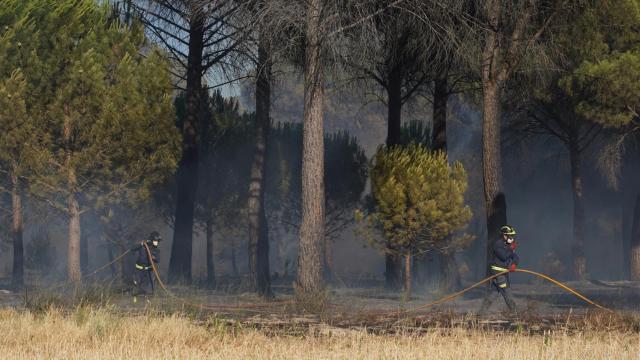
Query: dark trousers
144,282
499,285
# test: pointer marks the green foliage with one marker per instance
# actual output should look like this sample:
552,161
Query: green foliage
227,153
419,199
417,132
345,176
225,161
40,251
16,128
85,71
602,48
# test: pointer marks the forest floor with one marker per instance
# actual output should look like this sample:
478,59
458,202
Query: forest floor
349,323
535,300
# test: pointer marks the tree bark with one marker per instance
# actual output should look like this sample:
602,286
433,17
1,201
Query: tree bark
16,231
407,273
187,174
451,275
448,266
74,271
394,107
259,268
234,263
84,252
328,260
579,258
627,202
634,261
313,199
211,270
393,261
440,99
492,80
495,202
115,272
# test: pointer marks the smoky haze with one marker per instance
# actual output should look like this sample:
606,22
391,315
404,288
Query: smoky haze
536,176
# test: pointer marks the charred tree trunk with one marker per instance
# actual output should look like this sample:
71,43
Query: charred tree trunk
627,202
448,266
234,263
497,218
16,232
187,174
627,223
211,270
259,268
450,274
313,199
393,261
394,107
579,258
440,99
114,267
634,261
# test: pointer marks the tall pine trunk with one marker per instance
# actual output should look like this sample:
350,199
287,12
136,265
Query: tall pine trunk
16,231
634,250
187,174
328,260
259,270
407,273
495,203
627,223
313,200
394,107
448,266
440,99
627,203
211,269
73,209
393,261
84,250
579,258
234,263
74,271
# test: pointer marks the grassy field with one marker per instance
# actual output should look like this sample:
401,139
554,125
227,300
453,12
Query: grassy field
107,333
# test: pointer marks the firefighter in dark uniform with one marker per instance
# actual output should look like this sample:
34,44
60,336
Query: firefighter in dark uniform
143,279
504,259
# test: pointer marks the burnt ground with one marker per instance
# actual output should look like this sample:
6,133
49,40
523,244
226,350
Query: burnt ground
542,307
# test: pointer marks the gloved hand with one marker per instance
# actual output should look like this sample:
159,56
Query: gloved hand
513,246
512,268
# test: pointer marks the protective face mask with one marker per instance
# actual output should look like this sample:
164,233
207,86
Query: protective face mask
155,243
510,240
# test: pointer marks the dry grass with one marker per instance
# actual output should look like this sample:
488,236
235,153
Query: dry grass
103,333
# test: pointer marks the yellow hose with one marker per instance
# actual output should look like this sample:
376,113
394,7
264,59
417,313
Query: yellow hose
455,295
189,303
548,278
565,287
433,303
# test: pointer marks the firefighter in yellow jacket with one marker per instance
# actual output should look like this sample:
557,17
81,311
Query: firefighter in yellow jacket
143,279
504,259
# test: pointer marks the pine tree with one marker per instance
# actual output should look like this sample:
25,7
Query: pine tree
104,111
419,202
